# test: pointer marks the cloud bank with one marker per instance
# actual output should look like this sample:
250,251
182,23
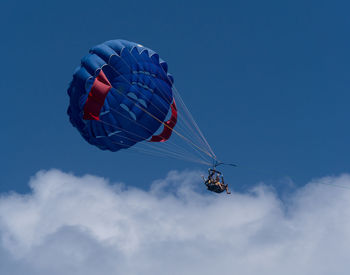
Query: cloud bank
86,225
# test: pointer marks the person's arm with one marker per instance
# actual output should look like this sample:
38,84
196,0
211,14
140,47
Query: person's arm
215,171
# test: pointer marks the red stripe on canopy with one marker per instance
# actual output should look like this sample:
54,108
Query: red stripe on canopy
168,126
96,98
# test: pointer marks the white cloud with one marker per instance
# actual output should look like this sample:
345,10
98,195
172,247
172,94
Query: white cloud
85,225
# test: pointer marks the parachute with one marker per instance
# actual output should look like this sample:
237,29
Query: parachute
122,97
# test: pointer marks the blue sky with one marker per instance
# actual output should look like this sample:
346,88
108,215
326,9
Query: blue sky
267,82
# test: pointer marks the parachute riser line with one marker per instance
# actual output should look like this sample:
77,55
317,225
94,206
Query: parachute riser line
154,117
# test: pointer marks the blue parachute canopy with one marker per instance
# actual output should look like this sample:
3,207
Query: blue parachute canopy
120,95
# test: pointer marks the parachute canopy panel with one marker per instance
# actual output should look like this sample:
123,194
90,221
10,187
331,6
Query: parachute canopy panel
120,95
